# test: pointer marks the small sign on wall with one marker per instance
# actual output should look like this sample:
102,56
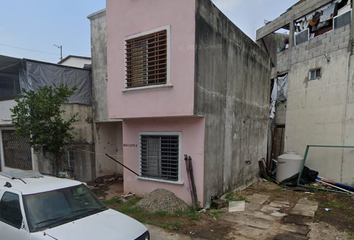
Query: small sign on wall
133,145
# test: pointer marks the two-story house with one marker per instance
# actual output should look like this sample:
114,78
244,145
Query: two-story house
315,52
181,79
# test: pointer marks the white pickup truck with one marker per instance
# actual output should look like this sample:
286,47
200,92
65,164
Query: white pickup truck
38,207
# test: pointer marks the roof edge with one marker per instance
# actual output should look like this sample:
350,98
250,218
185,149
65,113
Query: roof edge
97,14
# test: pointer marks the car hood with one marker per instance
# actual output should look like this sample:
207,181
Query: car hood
107,225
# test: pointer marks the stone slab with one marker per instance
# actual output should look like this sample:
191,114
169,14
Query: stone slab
265,216
289,236
305,201
258,198
304,210
279,204
302,230
236,206
251,232
252,206
299,220
247,220
269,209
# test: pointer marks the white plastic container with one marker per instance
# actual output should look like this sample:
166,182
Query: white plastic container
288,165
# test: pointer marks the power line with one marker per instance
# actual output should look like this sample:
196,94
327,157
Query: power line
28,49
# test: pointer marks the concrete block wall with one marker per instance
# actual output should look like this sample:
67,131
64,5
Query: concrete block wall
326,43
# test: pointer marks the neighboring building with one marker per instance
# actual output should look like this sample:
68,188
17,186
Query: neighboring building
317,58
183,80
16,74
75,61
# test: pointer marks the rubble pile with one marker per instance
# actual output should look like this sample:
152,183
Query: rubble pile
162,200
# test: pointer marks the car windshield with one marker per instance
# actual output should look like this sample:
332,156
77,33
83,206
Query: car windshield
53,208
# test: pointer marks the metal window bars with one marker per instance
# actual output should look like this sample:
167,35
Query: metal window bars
146,60
159,156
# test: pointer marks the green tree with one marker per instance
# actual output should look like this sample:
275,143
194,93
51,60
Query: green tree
38,117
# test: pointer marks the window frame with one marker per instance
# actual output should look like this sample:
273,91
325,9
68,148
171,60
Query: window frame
315,70
179,134
157,86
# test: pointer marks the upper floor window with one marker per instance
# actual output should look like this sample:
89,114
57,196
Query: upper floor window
9,86
146,59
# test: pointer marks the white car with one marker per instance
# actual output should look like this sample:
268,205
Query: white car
38,207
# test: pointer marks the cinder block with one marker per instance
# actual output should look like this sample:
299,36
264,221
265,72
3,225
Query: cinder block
333,48
343,45
346,38
344,34
321,37
293,61
328,46
334,38
339,41
312,50
320,49
326,41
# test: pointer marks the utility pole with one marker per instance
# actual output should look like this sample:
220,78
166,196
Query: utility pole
61,51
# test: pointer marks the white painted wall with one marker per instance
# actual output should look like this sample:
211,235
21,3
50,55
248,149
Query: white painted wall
76,62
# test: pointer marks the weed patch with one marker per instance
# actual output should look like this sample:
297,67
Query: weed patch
232,196
161,218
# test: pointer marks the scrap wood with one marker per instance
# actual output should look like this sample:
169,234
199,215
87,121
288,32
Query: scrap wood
263,168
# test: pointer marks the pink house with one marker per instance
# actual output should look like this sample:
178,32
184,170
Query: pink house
183,79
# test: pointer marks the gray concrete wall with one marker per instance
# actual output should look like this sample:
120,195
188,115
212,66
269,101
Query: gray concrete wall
232,91
107,132
99,66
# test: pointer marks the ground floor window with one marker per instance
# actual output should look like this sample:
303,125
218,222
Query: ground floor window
160,155
16,151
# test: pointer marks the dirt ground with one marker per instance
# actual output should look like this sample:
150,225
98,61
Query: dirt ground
340,215
208,225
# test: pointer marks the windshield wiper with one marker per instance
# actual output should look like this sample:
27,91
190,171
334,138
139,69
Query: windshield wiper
53,219
89,209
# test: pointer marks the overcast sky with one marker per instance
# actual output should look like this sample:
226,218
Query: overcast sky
29,28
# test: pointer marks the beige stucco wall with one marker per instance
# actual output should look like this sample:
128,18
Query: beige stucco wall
108,141
83,127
